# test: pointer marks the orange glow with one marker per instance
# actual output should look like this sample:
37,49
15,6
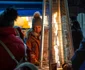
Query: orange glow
22,22
56,42
54,17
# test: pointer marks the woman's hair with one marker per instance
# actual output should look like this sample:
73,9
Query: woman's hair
19,32
8,16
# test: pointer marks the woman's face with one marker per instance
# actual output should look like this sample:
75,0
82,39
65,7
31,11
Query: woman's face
37,29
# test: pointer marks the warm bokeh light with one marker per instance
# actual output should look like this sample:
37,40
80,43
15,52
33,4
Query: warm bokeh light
56,40
54,17
22,22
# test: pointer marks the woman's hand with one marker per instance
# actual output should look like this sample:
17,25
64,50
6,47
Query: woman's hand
33,56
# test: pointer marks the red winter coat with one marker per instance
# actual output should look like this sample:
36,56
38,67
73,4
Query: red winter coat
14,44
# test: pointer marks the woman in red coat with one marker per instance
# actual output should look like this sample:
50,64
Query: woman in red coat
8,37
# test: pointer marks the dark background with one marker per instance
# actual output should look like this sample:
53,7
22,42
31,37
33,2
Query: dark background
75,6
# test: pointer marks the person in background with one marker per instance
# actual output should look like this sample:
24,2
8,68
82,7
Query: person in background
33,40
78,59
19,32
8,37
25,35
20,35
77,35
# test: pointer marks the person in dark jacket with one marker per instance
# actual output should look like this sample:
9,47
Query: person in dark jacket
78,58
33,41
77,35
8,37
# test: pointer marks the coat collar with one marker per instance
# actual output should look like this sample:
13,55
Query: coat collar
7,31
